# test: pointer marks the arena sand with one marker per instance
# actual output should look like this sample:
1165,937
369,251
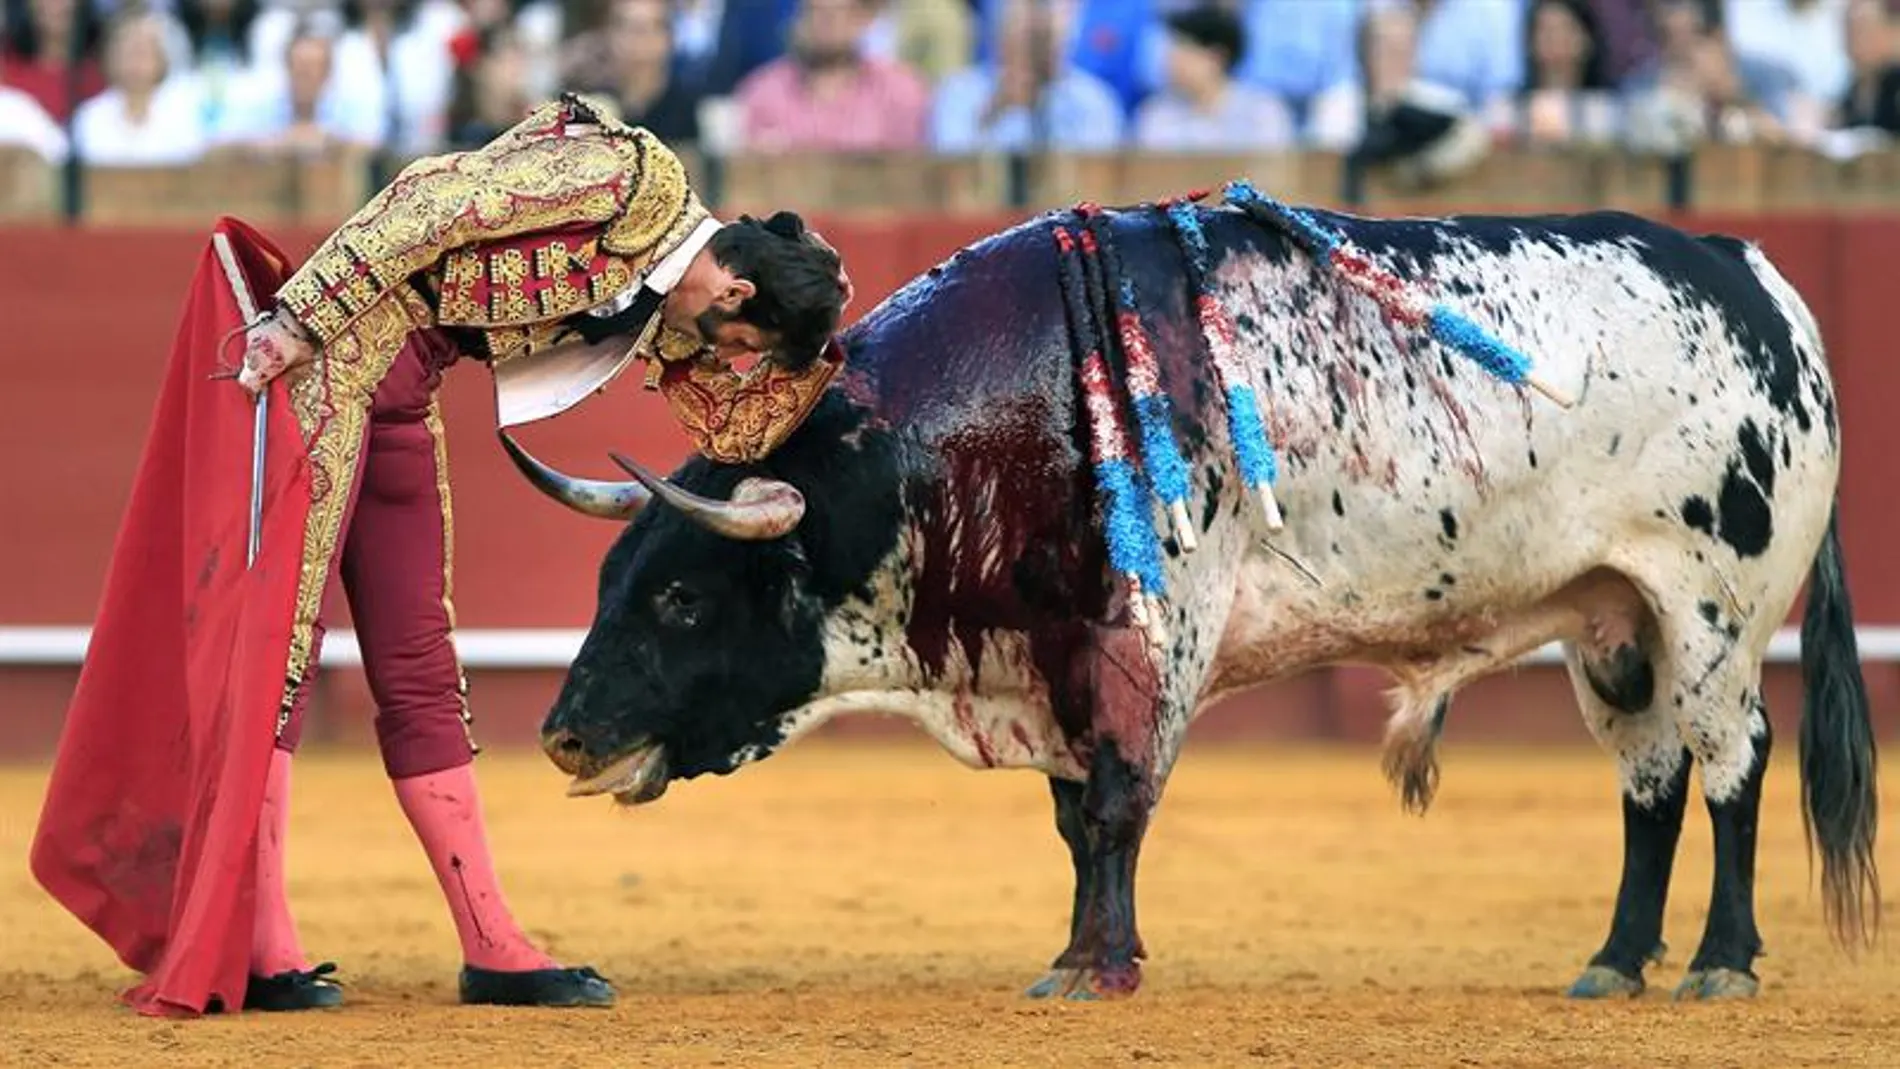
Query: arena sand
879,905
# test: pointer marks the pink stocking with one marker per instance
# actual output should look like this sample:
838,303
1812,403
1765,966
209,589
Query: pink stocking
274,944
445,812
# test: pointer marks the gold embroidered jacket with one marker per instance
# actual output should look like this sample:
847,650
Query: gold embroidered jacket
567,211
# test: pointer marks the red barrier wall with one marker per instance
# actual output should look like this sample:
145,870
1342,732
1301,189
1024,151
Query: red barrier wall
86,318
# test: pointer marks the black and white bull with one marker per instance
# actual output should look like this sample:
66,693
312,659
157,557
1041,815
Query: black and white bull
928,545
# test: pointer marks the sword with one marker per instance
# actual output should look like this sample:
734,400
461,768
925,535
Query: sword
247,307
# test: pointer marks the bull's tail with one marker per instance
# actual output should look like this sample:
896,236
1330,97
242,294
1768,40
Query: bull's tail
1840,805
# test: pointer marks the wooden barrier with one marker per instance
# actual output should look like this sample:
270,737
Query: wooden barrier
29,186
278,190
864,184
1722,178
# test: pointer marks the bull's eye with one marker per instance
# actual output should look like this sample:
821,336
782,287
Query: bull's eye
678,606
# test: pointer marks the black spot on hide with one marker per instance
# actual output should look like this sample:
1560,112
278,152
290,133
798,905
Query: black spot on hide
1746,522
1697,514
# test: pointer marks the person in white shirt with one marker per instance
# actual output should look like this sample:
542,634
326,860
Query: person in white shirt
310,110
24,124
401,49
147,118
1203,108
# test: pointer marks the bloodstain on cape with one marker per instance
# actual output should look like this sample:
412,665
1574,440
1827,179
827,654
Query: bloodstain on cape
149,830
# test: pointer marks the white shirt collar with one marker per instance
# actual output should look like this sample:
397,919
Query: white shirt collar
667,273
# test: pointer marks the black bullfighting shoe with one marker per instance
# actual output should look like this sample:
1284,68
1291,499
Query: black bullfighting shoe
294,989
535,987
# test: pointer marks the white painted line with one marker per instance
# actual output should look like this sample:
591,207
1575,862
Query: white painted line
534,647
555,647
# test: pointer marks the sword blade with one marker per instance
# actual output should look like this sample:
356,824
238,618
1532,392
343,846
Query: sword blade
259,425
247,307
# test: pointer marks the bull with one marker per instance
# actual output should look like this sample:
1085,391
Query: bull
929,545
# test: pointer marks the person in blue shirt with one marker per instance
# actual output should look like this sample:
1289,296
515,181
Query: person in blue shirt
1029,95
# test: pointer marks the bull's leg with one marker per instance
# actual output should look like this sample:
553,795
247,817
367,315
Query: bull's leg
1723,966
1102,821
1614,684
1651,828
1114,704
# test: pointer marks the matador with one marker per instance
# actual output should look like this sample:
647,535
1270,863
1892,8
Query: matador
557,254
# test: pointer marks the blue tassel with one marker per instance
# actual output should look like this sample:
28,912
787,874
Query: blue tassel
1165,465
1258,465
1188,225
1133,548
1303,227
1455,330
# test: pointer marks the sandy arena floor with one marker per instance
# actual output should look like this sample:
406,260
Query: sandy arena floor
871,906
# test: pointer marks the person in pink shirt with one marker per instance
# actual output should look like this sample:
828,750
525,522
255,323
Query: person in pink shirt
826,94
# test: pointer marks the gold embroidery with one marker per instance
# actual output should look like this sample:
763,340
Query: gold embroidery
440,438
663,209
462,277
734,418
530,178
517,281
507,274
332,406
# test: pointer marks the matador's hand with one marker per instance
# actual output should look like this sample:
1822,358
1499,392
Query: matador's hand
271,348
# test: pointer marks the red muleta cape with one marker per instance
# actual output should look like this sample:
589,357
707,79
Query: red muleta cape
149,829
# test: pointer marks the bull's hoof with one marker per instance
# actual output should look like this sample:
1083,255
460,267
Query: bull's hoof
1717,984
1087,985
1601,981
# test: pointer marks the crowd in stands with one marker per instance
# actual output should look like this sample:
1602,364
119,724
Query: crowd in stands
162,82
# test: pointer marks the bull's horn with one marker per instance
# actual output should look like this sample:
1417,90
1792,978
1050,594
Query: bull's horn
590,497
760,509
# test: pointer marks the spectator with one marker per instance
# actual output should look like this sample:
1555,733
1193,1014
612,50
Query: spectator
219,33
1394,119
565,41
931,37
145,118
282,20
1698,89
1102,38
1872,99
1627,36
1473,47
1031,96
1296,49
1804,39
827,94
312,111
397,53
490,86
40,49
1203,108
715,42
1566,95
24,124
647,80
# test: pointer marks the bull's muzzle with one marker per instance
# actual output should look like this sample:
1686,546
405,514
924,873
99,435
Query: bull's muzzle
638,773
566,750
